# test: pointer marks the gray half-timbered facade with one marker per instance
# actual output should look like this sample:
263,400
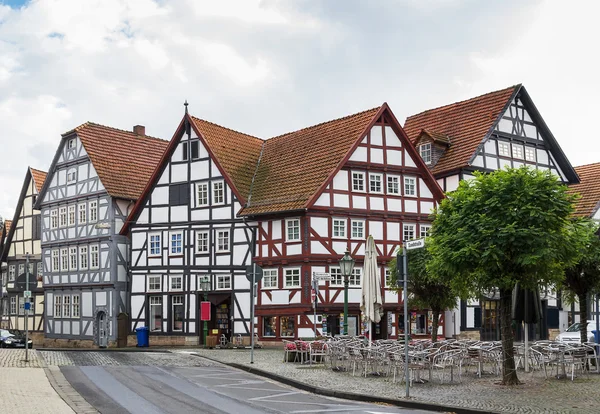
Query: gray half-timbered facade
185,228
490,132
95,178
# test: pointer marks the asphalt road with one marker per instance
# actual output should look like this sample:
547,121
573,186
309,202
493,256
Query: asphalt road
173,383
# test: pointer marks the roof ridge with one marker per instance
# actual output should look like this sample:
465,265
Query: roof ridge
89,123
325,122
40,171
229,129
587,165
464,100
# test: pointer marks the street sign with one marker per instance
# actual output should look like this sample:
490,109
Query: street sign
257,276
313,295
205,311
27,294
27,306
415,244
321,276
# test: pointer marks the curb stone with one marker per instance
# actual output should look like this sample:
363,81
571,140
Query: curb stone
349,395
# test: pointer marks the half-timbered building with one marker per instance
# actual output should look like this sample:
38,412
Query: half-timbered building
24,238
493,131
96,176
4,310
185,228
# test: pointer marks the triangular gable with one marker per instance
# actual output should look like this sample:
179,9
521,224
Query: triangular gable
10,233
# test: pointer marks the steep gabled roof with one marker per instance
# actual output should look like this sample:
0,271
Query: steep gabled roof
293,166
588,188
39,177
237,153
465,123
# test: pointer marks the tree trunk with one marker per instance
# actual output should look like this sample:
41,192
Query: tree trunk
583,316
434,324
509,373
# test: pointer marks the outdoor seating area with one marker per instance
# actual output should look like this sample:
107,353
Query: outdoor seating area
444,361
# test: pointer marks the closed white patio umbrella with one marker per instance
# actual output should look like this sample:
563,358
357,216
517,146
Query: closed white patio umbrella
371,303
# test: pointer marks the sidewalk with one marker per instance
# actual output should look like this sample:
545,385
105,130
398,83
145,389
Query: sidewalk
536,395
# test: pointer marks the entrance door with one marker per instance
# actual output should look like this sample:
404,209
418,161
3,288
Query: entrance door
102,329
490,320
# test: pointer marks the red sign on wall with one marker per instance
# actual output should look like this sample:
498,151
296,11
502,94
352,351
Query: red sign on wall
205,311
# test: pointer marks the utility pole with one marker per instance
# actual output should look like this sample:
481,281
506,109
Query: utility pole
26,306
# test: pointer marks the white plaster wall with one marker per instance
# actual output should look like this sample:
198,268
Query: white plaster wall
160,195
323,200
293,249
377,135
376,229
359,154
179,173
320,225
391,139
376,156
340,200
359,202
408,160
376,203
340,181
410,206
394,204
160,214
394,157
276,229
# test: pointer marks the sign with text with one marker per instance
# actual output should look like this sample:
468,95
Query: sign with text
415,244
321,276
205,311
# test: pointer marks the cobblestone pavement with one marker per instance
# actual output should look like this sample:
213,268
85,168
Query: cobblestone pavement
535,395
15,358
106,358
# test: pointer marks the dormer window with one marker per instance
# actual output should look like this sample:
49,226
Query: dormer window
71,144
72,176
425,151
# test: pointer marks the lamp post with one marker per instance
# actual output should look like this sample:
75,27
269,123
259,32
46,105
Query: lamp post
346,266
205,287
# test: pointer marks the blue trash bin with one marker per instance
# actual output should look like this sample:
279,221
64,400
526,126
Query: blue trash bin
143,339
596,336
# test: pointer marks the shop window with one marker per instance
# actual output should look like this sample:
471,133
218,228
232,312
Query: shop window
269,325
156,313
177,313
287,325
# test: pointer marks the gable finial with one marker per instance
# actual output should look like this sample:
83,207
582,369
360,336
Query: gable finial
186,105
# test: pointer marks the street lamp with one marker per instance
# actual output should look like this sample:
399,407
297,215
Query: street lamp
205,287
346,266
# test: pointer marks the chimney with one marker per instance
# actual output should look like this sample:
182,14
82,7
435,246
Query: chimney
139,130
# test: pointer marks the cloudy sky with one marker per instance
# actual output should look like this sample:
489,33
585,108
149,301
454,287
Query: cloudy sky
268,67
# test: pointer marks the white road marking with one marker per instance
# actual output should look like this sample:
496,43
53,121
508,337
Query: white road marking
273,396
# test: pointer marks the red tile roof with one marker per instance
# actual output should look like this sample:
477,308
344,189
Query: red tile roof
293,166
465,123
38,178
7,225
236,152
123,160
588,188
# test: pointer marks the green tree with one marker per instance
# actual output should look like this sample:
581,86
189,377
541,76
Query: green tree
499,229
582,279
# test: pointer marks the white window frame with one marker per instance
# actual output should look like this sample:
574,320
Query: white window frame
218,194
62,217
337,279
152,280
354,278
94,256
71,143
66,306
21,269
93,207
530,154
424,230
202,240
223,281
292,224
357,227
178,250
21,305
157,303
75,307
54,219
83,258
221,248
205,196
410,186
176,300
177,280
40,269
55,260
518,151
57,306
393,184
13,305
71,176
72,258
425,151
270,275
290,272
378,180
153,250
82,208
11,273
360,179
339,226
406,229
64,259
504,149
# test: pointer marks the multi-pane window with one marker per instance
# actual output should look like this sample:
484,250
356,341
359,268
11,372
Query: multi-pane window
292,277
11,273
339,227
66,306
62,216
83,257
424,230
503,149
71,176
21,269
64,259
425,151
75,307
94,257
336,276
30,268
201,242
82,213
13,305
72,258
410,186
154,283
408,232
375,183
530,154
40,269
176,243
57,306
358,181
358,229
201,194
71,144
155,247
177,312
517,151
388,278
93,211
54,219
195,149
55,260
222,240
354,279
155,313
218,192
21,305
223,281
176,282
292,229
269,280
393,184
